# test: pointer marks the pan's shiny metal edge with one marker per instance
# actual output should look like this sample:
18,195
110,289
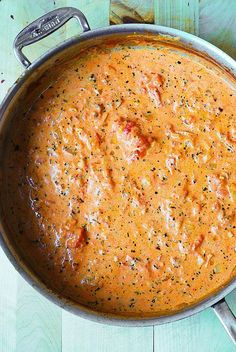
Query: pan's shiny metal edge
191,41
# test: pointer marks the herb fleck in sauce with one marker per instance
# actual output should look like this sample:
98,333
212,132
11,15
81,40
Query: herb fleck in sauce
122,179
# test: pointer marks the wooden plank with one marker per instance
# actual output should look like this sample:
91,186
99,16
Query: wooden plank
9,71
8,290
38,321
30,323
218,24
86,336
96,12
202,332
131,11
179,14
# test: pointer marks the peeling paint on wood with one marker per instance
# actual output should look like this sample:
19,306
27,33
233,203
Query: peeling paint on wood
132,11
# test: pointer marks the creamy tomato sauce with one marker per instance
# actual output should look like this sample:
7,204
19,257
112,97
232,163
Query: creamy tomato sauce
122,179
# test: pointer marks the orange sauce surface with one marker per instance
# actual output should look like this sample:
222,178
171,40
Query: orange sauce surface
122,179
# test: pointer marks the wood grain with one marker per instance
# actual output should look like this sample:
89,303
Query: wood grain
26,318
28,322
217,24
82,335
8,294
132,11
8,276
9,69
38,321
179,14
202,332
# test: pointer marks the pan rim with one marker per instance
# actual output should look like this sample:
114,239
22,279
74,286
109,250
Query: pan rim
27,273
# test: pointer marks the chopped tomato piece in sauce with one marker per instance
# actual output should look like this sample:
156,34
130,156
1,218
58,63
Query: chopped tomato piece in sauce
120,179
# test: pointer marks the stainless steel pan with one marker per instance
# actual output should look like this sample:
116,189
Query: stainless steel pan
34,32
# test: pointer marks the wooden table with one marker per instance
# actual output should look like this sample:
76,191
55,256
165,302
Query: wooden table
29,322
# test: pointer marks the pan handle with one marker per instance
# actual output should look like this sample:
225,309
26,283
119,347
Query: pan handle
226,317
44,26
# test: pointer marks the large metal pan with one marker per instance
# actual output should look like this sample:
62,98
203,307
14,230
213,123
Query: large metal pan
37,30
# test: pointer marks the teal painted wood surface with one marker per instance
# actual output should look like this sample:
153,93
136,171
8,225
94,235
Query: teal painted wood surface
29,322
81,335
